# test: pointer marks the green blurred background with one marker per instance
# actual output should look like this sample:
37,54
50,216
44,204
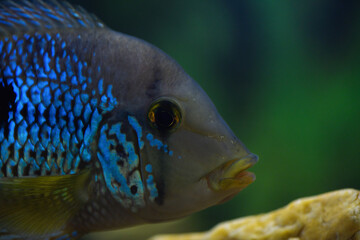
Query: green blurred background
285,75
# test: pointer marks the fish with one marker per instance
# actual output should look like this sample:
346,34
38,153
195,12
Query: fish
100,130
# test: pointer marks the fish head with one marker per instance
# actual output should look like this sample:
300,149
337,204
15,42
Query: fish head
196,159
189,157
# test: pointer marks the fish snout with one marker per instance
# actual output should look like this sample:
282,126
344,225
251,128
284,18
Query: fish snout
232,174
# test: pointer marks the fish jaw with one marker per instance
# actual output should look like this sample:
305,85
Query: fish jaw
232,175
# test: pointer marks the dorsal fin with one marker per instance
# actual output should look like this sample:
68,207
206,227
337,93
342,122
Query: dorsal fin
25,15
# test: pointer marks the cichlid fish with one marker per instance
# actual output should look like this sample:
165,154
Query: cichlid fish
100,130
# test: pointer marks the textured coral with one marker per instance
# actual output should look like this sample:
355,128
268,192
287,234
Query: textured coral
333,215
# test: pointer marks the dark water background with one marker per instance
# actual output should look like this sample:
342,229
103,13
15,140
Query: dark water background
285,75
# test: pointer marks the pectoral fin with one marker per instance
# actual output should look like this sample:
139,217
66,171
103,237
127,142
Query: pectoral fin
38,206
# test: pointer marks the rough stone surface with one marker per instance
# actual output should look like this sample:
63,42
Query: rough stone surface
331,216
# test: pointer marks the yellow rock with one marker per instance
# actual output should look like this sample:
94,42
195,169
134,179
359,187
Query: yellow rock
331,216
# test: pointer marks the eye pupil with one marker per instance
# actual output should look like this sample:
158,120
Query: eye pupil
164,115
164,118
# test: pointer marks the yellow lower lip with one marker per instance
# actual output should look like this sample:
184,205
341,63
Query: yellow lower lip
232,174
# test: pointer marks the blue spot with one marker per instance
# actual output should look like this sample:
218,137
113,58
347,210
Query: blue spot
35,95
40,71
82,78
34,130
52,51
7,72
65,135
68,65
104,99
52,75
63,77
42,50
30,47
93,102
19,81
79,132
100,86
73,144
78,106
1,135
84,97
4,150
74,91
57,95
55,136
41,108
29,81
95,120
12,163
45,135
47,61
148,168
22,132
87,135
30,71
48,37
52,115
53,86
31,113
20,46
71,124
84,86
46,95
10,81
42,84
18,71
22,164
12,63
57,65
64,87
75,58
87,112
74,80
9,47
86,155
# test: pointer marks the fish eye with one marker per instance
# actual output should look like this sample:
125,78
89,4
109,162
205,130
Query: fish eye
164,115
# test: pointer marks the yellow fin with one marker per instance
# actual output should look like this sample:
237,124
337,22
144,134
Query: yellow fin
38,206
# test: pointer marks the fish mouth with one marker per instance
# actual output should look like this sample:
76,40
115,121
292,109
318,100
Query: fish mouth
232,175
